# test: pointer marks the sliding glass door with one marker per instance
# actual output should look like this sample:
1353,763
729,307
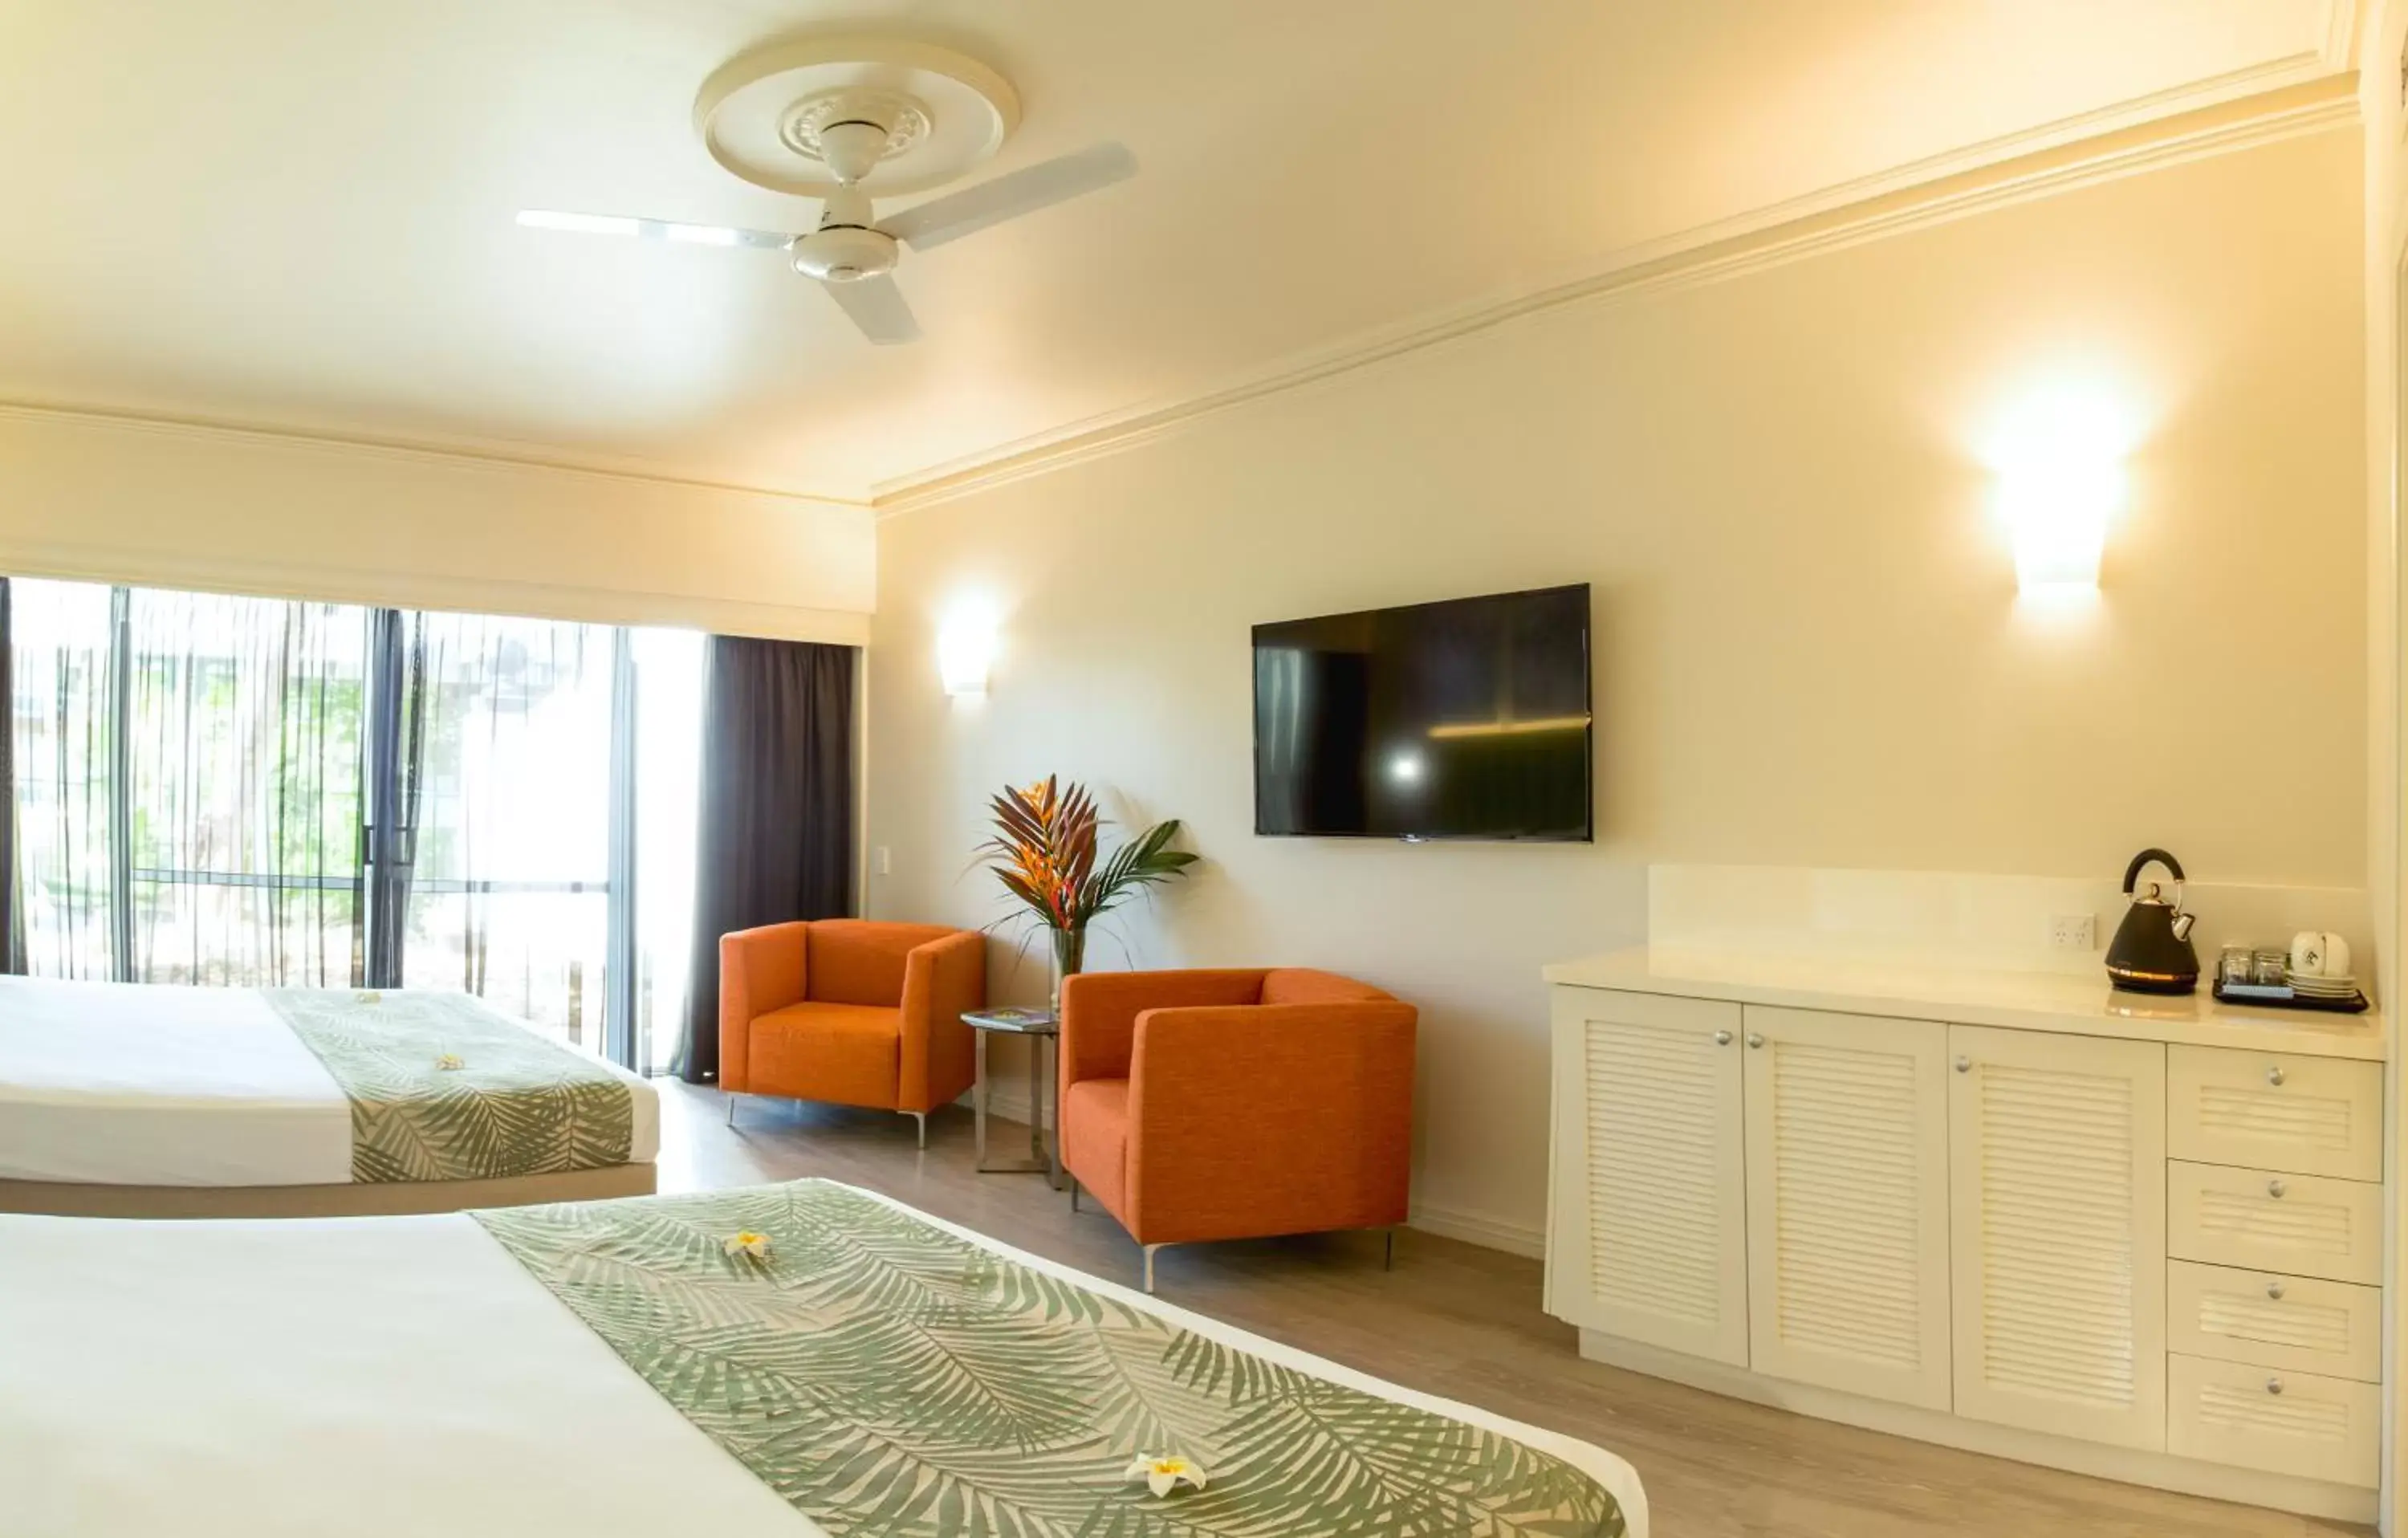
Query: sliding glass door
259,792
507,785
245,724
64,723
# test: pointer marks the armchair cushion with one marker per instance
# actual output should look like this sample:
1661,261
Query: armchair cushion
861,961
850,1054
1099,1012
1304,985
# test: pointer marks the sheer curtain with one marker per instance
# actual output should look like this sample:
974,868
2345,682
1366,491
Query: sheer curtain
507,753
62,739
259,792
246,722
667,799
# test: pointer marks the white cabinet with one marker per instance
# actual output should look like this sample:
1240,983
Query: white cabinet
2058,1217
1649,1237
2274,1111
2294,1423
1847,1202
2267,1221
2153,1256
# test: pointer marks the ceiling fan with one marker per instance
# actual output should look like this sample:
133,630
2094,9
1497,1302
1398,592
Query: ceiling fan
840,118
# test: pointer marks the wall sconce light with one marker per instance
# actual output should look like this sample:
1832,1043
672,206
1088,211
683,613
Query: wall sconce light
964,651
2058,454
2056,514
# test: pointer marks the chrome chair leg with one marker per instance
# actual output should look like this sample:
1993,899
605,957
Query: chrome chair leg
921,1117
1388,1259
731,1108
1074,1193
1149,1266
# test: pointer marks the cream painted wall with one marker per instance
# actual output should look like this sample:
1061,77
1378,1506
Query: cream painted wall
2383,82
1809,650
121,500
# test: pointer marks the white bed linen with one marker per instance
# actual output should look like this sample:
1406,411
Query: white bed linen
130,1084
376,1377
390,1378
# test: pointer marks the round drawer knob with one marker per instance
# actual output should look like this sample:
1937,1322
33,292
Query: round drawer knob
2274,1075
1964,1065
2274,1290
1722,1037
1756,1039
2273,1385
2275,1189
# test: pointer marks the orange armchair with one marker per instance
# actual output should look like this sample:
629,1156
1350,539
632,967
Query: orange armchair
1234,1104
849,1010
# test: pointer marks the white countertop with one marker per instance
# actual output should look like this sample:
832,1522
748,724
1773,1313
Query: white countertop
2017,1001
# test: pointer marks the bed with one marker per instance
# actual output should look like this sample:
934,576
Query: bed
624,1368
142,1101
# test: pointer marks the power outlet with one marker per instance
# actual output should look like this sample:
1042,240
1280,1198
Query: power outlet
2073,932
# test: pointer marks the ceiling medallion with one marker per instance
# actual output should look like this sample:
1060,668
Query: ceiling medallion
906,121
762,114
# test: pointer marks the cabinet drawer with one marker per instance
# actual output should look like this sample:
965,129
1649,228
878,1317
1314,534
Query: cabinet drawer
2308,1116
2296,1323
2265,1220
2294,1423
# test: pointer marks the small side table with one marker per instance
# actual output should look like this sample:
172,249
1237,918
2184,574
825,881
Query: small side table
1043,1030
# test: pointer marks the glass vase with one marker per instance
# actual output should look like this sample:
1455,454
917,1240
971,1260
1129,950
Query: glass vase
1069,958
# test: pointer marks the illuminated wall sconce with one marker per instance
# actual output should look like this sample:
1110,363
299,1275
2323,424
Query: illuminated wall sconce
2058,454
964,651
2056,514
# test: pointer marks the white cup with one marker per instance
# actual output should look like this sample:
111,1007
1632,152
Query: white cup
2319,954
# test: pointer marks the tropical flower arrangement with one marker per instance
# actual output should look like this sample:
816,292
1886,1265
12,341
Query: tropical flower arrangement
1045,852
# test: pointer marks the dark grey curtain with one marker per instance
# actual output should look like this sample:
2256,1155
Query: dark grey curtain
776,839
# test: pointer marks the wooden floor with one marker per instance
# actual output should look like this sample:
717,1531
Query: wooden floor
1464,1322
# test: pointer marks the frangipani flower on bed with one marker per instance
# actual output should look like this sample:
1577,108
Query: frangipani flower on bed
1164,1475
747,1243
447,1061
369,998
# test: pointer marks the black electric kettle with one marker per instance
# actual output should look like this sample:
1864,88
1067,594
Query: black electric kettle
2151,951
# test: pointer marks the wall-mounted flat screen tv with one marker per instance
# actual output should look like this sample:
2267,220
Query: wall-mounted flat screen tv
1467,719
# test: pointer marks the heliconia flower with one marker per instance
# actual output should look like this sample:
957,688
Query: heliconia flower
747,1243
448,1061
1164,1475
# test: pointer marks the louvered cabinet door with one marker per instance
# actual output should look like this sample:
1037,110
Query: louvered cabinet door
2057,1172
1847,1202
1649,1238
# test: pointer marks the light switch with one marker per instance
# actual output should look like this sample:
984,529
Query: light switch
885,861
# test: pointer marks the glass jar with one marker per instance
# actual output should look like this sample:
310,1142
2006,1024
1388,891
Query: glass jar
2234,965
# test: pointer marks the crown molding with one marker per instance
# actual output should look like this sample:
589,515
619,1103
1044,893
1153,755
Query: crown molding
468,453
74,561
2288,98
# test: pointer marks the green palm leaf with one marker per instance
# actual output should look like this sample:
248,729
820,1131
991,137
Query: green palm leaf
889,1378
519,1105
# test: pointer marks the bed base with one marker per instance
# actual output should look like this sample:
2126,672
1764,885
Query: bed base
355,1199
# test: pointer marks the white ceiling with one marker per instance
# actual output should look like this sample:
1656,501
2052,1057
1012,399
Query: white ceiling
297,213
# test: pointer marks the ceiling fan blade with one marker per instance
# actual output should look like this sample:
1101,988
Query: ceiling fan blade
876,306
1025,191
653,229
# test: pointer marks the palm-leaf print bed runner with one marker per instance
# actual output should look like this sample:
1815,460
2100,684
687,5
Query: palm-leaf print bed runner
441,1088
890,1378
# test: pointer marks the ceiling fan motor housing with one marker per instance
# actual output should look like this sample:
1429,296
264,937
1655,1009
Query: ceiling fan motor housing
843,253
